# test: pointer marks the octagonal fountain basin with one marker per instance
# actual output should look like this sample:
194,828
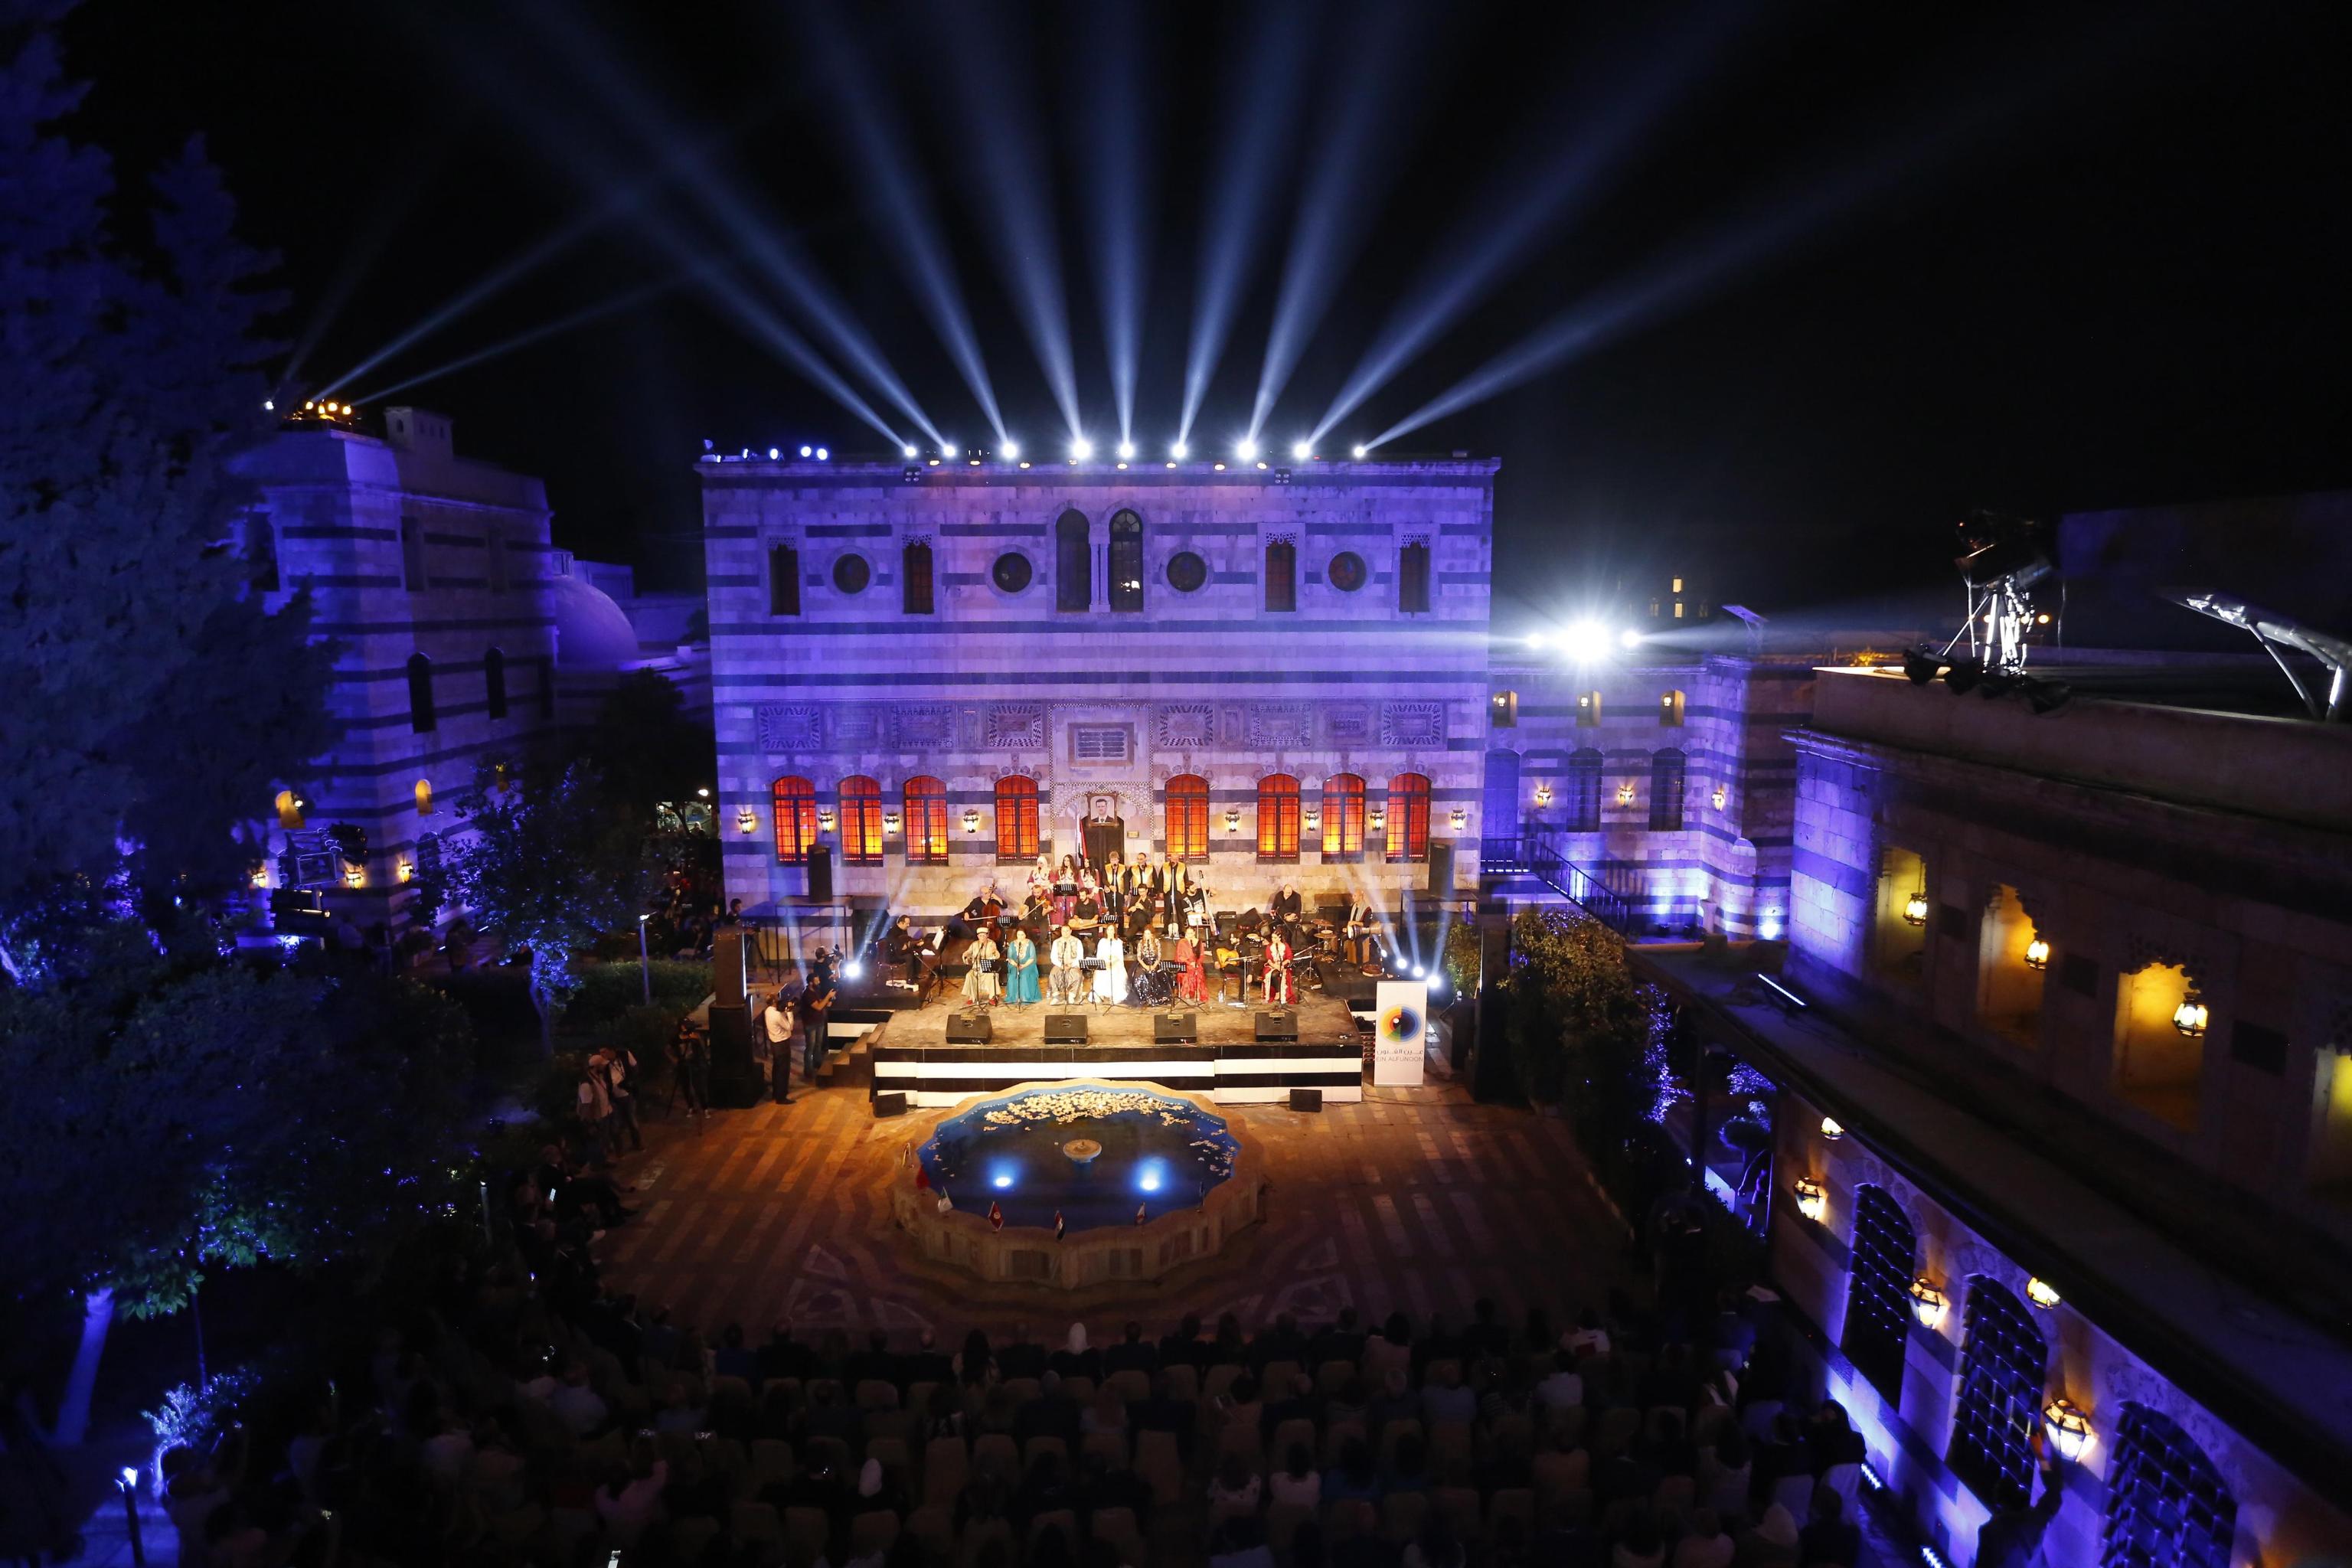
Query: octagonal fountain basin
1094,1151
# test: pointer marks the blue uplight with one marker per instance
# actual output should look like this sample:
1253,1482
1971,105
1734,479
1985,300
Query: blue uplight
1150,1175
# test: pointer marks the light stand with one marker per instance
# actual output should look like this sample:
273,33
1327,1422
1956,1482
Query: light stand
2006,557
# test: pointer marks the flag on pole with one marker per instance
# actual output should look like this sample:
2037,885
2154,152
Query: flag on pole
1061,1226
995,1216
1138,1214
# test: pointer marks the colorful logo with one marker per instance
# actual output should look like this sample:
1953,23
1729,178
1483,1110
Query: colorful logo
1400,1024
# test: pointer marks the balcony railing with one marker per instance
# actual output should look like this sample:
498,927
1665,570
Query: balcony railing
1612,898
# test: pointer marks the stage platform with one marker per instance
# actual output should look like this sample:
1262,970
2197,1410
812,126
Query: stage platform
911,1053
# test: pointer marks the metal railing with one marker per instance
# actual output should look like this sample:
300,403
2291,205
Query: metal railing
1612,898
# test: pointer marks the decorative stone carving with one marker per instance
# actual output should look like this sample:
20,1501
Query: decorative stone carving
789,726
1413,723
1275,724
1181,726
1016,727
1348,724
854,726
2143,947
922,726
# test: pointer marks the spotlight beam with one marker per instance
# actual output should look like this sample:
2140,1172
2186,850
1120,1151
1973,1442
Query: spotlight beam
1014,190
1519,210
1348,170
385,217
1115,148
626,300
778,256
1241,192
892,195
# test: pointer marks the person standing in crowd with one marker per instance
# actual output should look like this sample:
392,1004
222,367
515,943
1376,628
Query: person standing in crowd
618,1071
595,1113
816,1013
775,1033
690,1060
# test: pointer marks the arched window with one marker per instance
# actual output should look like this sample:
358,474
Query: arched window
421,717
1343,817
1878,1291
1074,577
1584,791
494,683
1281,575
796,820
1017,818
915,578
1667,769
424,798
2166,1505
1412,579
783,580
1187,816
1126,561
861,821
927,821
2004,1362
1278,818
1409,817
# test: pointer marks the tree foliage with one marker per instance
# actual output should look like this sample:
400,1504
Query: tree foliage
151,702
1577,1024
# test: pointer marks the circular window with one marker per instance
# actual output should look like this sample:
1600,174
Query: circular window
851,573
1011,572
1187,571
1345,572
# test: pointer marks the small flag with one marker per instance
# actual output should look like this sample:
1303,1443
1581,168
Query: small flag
995,1216
1138,1214
1061,1226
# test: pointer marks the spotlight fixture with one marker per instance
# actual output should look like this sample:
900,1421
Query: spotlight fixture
1359,450
1585,642
1921,667
1246,449
1536,640
853,969
1179,451
1721,795
804,451
2190,1016
2037,954
1926,1302
1220,468
909,450
1126,449
774,453
1915,909
2041,1292
1832,1128
1629,637
1813,1200
1171,462
1012,449
823,456
1081,448
2069,1429
1543,795
1301,451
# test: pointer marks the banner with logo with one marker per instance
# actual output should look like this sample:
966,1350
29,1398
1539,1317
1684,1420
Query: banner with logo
1403,1012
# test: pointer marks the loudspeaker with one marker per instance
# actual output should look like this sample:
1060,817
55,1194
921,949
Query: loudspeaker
735,1079
1441,869
1306,1099
1065,1029
893,1103
968,1029
1176,1028
727,976
1278,1024
820,873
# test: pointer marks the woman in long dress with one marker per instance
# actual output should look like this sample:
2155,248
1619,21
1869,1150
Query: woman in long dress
1110,979
980,986
1021,970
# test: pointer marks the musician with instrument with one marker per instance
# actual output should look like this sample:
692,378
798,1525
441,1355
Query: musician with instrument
980,981
1065,890
1362,922
1277,984
1284,912
1066,980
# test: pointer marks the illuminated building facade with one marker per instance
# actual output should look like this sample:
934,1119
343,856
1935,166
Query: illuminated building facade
924,675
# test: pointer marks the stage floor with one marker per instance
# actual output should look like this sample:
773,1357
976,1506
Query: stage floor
1321,1021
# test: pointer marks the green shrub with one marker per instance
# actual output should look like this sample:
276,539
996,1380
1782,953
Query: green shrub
609,990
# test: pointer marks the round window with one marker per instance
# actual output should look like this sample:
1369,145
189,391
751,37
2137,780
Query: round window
1011,572
1187,571
851,573
1347,572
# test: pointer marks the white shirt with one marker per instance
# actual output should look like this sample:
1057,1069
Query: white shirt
780,1024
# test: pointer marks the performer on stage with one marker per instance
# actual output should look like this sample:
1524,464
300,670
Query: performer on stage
1278,968
1041,877
1086,915
1172,897
1067,983
1362,922
1021,970
1196,911
980,986
1113,889
1110,979
1037,914
1065,890
1192,979
1149,983
1285,911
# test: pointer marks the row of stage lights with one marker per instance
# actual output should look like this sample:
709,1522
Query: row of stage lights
1081,450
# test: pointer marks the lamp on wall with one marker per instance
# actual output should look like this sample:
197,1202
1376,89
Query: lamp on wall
1926,1302
2069,1429
1543,795
890,822
2042,1293
1832,1128
970,820
1458,818
1312,817
403,870
1813,1199
747,821
824,820
1625,792
354,876
1720,796
1378,819
1915,909
2037,954
1233,820
2189,1018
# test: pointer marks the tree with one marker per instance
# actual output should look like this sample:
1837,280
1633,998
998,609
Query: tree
644,748
550,865
1577,1020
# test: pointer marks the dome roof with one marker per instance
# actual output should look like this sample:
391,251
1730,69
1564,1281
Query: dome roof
591,631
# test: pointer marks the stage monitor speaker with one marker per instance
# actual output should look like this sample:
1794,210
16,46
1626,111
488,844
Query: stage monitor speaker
968,1029
1176,1028
1065,1029
1441,869
735,1081
820,873
726,979
1280,1024
1306,1099
890,1103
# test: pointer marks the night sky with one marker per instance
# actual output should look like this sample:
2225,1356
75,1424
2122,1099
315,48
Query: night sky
2107,268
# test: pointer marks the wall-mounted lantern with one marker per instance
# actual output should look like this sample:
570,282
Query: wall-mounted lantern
1813,1199
2190,1016
2037,954
1915,909
2042,1293
970,820
747,822
1926,1302
2069,1427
